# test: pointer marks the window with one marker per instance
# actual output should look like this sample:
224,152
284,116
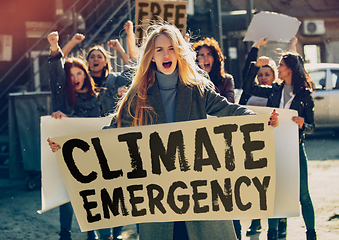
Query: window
312,53
335,79
319,79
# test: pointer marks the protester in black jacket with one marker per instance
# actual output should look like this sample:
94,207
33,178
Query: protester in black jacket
293,93
251,56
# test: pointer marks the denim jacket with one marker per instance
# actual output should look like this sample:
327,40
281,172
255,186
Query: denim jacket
251,56
108,93
84,108
102,104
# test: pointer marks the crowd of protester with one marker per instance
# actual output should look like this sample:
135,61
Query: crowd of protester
162,74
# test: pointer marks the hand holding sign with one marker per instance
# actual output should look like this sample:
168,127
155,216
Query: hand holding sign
53,145
274,119
58,115
260,42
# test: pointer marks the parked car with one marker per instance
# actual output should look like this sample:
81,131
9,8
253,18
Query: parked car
326,95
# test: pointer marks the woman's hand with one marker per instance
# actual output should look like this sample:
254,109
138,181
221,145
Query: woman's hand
121,91
133,50
260,42
77,38
58,115
187,37
293,45
294,40
53,145
274,119
53,39
129,27
298,120
114,44
262,61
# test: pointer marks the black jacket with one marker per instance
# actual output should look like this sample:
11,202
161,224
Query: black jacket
302,102
251,56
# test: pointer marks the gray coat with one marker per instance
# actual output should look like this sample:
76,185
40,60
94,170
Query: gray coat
108,95
190,105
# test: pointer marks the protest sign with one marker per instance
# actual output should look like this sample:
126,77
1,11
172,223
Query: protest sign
287,162
53,190
274,26
219,168
148,12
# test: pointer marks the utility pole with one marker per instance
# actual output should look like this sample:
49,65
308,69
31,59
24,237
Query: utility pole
217,23
249,16
220,40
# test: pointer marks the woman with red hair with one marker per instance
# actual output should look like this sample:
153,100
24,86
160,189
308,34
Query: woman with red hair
211,59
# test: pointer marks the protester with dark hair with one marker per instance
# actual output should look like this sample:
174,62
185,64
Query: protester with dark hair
293,93
266,76
73,95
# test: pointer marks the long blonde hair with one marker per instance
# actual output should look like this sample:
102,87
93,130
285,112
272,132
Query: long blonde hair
189,73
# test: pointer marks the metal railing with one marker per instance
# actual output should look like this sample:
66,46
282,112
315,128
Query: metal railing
74,11
108,19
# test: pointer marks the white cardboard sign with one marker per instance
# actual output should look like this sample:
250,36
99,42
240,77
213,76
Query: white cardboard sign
274,26
287,162
53,190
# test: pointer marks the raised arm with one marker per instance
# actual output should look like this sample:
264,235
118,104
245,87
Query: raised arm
57,74
253,54
132,47
115,44
260,42
53,39
293,45
249,86
76,39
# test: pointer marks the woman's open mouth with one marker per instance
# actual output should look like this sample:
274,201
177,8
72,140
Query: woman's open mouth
167,64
